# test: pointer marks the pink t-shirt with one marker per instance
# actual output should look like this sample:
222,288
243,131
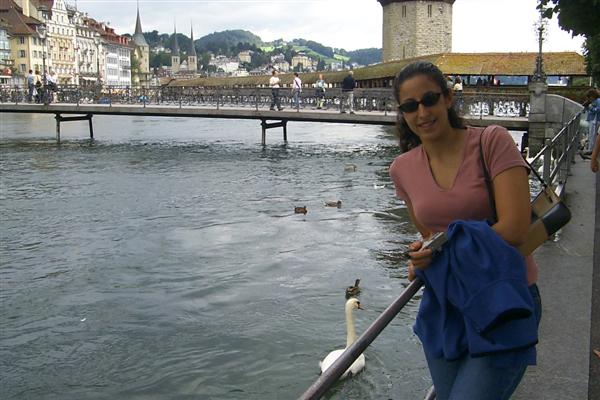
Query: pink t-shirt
435,207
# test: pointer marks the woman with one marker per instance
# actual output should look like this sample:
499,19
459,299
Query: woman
440,177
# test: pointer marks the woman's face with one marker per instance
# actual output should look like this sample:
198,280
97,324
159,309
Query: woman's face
429,120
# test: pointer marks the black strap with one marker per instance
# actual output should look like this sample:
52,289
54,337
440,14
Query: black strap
486,176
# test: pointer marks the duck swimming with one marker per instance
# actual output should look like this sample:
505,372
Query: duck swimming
337,204
300,210
353,290
359,364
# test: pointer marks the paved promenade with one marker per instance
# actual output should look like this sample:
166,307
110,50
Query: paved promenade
569,267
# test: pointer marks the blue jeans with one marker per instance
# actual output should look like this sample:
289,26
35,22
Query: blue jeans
296,99
593,127
477,378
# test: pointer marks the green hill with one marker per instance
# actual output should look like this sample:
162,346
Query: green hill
231,42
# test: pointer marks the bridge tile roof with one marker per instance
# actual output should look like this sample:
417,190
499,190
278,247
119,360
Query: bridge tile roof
516,64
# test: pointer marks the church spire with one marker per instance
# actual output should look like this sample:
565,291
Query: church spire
138,35
175,46
192,50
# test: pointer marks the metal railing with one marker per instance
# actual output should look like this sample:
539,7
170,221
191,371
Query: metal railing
555,158
473,104
214,97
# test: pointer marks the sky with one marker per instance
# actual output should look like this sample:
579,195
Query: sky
477,26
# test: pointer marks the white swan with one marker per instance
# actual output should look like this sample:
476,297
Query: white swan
359,364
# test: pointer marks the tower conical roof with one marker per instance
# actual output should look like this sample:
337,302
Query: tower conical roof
192,50
138,36
175,45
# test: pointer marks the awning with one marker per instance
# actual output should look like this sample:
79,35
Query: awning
5,76
85,78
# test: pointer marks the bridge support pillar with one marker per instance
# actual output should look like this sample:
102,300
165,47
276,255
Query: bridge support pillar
59,118
268,125
537,116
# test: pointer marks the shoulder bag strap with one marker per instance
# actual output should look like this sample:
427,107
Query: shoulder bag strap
486,176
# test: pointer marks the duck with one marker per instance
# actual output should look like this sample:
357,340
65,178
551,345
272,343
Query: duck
353,290
300,210
337,204
359,364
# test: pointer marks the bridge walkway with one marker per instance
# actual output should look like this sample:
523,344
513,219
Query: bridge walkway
568,271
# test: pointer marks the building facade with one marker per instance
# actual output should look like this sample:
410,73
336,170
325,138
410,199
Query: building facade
415,28
87,51
6,61
25,41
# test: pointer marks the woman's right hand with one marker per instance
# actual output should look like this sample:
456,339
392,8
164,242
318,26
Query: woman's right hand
418,258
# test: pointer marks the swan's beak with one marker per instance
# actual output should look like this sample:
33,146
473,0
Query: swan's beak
359,307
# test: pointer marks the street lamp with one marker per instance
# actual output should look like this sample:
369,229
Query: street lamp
97,43
540,27
41,29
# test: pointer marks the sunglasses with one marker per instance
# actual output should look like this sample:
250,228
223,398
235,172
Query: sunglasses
429,99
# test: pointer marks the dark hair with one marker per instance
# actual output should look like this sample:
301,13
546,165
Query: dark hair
592,94
409,139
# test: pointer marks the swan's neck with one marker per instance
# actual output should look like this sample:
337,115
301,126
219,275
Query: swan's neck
350,332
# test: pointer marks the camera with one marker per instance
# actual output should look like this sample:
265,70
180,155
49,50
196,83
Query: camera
435,241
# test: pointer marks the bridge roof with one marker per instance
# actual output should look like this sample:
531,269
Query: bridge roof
517,64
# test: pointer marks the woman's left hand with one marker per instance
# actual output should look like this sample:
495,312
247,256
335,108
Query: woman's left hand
418,258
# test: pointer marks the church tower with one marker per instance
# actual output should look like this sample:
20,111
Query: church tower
414,28
142,51
175,60
192,59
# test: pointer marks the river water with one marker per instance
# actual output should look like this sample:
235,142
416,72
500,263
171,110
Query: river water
165,260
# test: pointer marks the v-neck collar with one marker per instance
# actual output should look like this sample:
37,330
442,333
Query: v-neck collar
458,171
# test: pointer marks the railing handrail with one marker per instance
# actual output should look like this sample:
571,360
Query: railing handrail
561,157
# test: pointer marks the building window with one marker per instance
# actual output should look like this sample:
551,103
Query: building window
403,11
22,53
21,40
429,10
23,67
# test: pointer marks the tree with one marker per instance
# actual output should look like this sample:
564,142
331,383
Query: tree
580,17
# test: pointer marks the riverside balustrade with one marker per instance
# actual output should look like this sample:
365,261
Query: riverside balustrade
471,104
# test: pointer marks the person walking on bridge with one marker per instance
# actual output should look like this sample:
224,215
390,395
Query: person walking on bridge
475,344
30,85
320,91
348,85
274,84
296,90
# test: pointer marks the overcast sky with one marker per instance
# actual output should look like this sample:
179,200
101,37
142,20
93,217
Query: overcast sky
478,25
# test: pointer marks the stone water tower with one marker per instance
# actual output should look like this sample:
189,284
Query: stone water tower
413,28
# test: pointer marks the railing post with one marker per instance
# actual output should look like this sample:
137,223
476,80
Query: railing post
547,164
257,97
218,96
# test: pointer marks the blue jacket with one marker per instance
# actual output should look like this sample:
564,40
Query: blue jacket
477,299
